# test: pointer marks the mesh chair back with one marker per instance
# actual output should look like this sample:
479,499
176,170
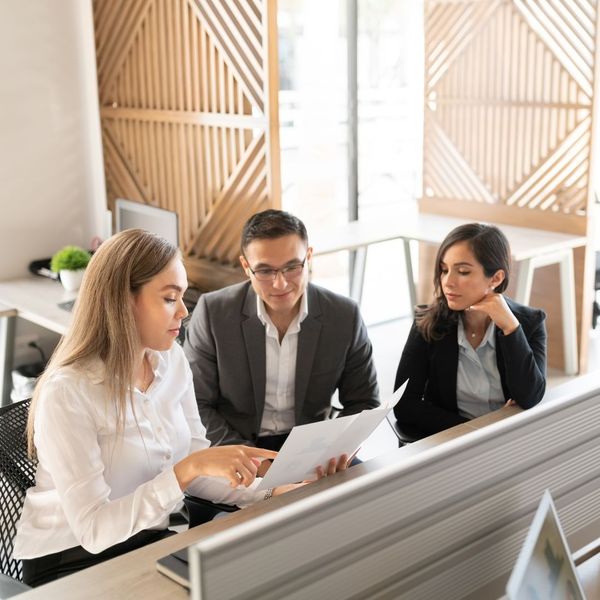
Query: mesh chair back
17,473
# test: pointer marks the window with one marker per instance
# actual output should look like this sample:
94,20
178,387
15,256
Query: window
313,50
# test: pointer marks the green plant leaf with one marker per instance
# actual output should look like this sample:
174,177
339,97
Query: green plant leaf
71,258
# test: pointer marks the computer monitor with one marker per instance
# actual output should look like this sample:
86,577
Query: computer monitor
545,568
134,215
446,522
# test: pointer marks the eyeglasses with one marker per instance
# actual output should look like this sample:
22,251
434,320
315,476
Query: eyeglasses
289,272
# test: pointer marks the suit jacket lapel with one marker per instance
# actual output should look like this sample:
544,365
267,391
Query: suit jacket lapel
308,340
254,339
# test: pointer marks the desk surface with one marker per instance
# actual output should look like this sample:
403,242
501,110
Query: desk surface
410,225
36,299
134,575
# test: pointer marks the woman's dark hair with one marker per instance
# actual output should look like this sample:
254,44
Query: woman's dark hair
271,224
492,251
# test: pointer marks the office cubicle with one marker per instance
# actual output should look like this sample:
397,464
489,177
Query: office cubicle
447,523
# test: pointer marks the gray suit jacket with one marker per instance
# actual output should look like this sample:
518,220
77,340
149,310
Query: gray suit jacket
225,345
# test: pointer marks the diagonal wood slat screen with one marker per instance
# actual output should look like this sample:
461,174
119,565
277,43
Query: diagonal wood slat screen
188,96
508,104
509,115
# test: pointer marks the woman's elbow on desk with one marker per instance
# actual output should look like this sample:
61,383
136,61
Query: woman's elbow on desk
533,398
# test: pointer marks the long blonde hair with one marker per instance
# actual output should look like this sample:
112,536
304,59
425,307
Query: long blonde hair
103,325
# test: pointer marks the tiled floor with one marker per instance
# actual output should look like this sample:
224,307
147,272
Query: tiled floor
388,340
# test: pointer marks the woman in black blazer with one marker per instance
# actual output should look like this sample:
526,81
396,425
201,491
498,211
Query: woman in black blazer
470,338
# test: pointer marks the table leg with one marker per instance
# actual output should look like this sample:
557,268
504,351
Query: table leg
564,258
7,345
412,292
357,277
567,300
524,281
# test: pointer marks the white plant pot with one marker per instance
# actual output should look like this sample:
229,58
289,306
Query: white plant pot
71,280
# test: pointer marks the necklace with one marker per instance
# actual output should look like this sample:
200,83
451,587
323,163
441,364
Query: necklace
473,333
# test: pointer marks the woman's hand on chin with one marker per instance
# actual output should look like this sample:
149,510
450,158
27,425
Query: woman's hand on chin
495,307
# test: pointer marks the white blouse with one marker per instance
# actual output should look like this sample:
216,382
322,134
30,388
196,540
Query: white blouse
96,487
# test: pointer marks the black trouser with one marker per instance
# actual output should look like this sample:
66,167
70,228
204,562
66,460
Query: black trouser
272,442
37,571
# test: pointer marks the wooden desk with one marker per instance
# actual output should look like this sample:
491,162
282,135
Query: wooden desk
532,248
36,300
134,575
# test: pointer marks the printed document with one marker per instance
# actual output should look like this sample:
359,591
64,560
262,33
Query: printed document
314,444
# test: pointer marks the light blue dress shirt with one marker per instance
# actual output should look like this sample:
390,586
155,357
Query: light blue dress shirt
478,384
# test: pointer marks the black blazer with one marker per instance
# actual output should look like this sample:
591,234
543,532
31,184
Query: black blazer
429,405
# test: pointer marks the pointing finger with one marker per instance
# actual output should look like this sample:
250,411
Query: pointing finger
260,452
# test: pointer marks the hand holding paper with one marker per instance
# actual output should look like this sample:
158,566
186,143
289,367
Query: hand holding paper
313,445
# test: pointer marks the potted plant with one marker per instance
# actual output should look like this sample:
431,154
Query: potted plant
70,262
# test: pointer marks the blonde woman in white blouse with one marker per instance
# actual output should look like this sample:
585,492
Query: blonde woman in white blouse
114,422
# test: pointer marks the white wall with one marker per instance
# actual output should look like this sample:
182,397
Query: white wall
52,190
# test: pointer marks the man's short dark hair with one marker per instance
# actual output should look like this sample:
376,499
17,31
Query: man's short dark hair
270,224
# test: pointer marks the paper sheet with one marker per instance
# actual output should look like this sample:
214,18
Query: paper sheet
314,444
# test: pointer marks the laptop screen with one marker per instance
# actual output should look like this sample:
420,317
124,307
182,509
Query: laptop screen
135,215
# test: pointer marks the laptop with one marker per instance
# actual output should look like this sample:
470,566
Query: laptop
175,566
545,567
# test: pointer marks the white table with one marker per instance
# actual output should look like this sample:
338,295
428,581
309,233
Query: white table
36,300
532,248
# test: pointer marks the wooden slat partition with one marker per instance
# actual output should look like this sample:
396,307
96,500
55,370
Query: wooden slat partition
509,130
188,94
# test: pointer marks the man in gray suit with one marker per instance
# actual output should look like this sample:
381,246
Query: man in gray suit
269,353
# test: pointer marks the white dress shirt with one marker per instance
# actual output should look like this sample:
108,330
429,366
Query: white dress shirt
478,384
96,487
279,412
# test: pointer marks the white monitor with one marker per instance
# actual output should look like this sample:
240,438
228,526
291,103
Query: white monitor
446,522
545,568
135,215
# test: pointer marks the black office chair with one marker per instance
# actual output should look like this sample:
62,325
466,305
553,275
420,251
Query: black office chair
596,307
201,511
406,435
17,473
